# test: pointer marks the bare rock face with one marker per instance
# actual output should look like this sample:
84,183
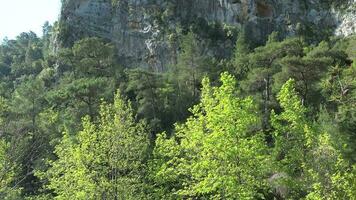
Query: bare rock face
347,20
142,40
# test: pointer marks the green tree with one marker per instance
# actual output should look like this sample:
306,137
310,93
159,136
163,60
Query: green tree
27,55
86,74
89,92
311,165
22,124
182,82
93,57
216,153
290,137
308,69
8,187
338,87
264,63
104,161
190,67
47,34
146,87
27,100
240,59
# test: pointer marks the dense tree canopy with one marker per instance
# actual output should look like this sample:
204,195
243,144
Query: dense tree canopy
268,121
216,153
104,160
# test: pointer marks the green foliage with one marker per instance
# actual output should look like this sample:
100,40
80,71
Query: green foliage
267,137
147,89
216,145
93,57
27,100
290,137
87,74
264,62
305,153
192,65
241,58
339,89
115,3
307,69
105,160
8,187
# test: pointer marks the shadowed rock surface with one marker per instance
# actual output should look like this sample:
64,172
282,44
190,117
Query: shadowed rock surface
142,29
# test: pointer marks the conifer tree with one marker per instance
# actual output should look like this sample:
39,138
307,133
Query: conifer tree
146,87
308,69
264,63
190,65
241,55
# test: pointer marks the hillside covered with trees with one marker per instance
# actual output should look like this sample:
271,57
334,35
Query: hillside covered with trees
267,120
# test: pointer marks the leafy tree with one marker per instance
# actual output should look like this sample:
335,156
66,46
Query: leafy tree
219,152
104,161
328,173
290,137
216,153
8,169
304,153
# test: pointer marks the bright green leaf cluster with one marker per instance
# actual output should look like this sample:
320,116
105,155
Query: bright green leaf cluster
105,159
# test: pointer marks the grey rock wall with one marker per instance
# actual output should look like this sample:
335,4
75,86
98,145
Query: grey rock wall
141,41
346,20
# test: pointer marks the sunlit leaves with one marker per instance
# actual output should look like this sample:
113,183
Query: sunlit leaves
215,153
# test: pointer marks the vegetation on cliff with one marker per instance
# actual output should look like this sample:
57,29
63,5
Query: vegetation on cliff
265,121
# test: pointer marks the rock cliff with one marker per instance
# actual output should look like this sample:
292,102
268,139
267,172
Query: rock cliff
142,29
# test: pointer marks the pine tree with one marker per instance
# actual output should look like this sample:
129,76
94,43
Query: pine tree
241,55
264,63
146,87
308,69
338,87
22,123
93,57
27,100
88,73
189,69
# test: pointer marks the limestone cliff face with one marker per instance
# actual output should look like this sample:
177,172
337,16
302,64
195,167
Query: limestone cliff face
135,26
346,20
